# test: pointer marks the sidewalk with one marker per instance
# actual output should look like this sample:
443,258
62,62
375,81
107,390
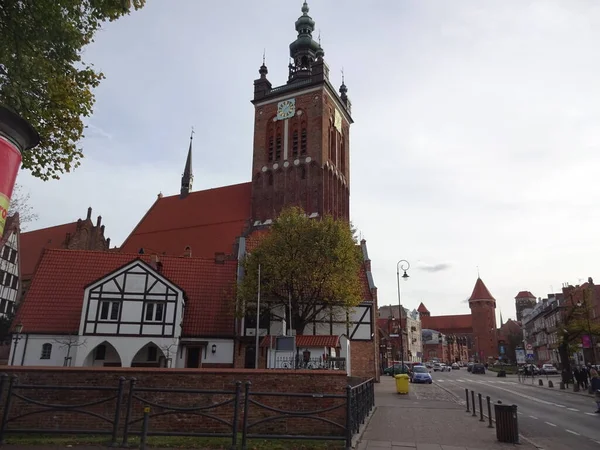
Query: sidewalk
556,387
429,418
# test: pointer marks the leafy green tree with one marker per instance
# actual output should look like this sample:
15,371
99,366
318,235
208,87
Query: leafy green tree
312,265
43,77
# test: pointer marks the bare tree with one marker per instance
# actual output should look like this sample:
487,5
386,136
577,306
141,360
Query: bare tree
69,342
168,349
19,203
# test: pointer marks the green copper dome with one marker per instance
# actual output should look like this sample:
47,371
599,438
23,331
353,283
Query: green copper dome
305,25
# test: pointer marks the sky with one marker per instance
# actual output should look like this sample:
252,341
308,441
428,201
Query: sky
475,145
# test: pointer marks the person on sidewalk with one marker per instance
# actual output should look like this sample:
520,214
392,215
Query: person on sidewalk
577,377
595,382
565,378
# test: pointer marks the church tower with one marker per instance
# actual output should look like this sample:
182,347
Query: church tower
301,136
188,177
483,316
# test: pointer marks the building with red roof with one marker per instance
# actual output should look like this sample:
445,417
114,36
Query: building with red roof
524,300
300,157
472,335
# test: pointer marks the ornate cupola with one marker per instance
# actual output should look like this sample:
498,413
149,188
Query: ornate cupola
304,51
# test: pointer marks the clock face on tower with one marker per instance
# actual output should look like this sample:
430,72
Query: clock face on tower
286,109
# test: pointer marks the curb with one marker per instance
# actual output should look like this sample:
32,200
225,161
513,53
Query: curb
526,439
557,389
358,436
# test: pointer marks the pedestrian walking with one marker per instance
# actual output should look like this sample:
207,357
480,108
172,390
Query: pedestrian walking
595,382
565,378
577,376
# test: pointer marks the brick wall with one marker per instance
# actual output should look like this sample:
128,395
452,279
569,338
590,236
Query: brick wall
222,380
364,363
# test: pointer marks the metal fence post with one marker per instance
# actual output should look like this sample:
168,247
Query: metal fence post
245,421
3,379
473,403
480,408
236,414
117,413
467,395
349,427
144,434
13,380
489,412
128,413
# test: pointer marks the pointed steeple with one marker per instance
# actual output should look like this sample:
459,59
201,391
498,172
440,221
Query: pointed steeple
501,321
188,177
481,292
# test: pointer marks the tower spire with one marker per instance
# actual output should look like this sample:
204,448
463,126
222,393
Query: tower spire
188,177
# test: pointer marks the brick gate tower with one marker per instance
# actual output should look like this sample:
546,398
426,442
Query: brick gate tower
483,314
301,136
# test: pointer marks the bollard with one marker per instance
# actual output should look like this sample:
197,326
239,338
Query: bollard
541,382
550,384
473,403
467,395
480,408
144,434
507,425
489,405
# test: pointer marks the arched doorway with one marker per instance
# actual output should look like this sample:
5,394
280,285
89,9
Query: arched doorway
103,355
149,356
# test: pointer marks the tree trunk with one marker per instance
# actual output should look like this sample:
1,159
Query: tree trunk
563,351
299,327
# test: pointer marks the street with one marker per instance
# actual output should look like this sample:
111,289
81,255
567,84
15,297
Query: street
551,418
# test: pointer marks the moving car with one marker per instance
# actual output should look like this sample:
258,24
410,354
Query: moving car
420,374
548,369
455,366
478,368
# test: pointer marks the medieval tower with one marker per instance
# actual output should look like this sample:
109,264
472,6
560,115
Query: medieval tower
483,313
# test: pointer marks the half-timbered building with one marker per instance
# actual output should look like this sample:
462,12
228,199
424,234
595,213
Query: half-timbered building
87,308
9,266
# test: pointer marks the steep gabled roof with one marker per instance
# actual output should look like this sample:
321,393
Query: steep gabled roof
55,299
480,292
34,242
305,340
207,221
422,308
525,294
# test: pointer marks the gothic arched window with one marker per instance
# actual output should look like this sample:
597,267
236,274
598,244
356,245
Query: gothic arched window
46,351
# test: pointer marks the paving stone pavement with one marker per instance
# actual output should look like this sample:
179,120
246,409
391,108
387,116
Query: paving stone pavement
428,418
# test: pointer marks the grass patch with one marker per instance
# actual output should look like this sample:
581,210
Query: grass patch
175,442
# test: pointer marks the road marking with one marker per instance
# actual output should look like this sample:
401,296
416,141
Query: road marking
573,409
551,424
560,406
533,417
572,432
591,414
519,412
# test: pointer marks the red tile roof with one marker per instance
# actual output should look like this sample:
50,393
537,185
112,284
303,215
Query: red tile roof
448,323
422,308
208,221
525,294
480,292
34,242
54,301
305,340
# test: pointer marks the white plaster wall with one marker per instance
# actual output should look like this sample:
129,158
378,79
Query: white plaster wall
223,355
32,344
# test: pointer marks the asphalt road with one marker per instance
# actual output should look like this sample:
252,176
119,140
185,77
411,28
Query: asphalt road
552,419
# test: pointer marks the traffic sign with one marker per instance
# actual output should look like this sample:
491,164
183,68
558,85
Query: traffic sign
530,356
529,347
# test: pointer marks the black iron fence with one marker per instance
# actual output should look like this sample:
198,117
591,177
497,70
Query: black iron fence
158,411
299,362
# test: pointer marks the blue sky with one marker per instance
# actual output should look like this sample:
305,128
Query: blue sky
475,141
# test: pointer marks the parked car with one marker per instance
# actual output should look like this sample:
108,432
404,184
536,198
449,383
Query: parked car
420,374
548,369
478,368
455,366
469,367
395,370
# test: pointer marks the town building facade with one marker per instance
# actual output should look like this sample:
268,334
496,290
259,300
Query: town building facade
10,283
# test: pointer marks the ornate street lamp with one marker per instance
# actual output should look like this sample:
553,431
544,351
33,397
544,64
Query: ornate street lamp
404,265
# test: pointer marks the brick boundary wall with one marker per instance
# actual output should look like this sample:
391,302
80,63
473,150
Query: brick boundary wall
264,381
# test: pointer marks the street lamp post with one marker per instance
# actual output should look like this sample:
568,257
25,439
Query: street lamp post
404,265
16,338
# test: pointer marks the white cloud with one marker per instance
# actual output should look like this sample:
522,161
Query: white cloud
475,139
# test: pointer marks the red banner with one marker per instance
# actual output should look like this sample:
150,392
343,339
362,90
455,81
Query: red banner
10,161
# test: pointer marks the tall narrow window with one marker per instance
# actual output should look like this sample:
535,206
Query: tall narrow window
295,143
271,148
46,351
278,148
343,156
303,173
270,178
100,353
303,142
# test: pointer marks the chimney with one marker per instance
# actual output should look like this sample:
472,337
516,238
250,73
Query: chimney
99,221
220,258
107,242
187,253
89,214
102,230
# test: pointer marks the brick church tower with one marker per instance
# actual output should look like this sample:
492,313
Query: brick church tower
301,136
483,314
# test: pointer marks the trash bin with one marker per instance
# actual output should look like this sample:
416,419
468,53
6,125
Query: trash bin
507,426
402,383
